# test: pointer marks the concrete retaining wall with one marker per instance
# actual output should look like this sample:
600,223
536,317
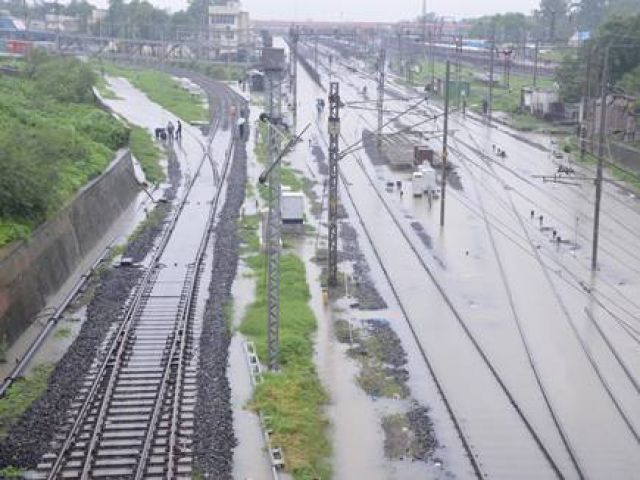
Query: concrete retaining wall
33,270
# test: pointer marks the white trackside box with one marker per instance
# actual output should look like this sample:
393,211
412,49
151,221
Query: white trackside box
292,207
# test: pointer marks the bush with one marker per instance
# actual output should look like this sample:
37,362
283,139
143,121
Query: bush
65,79
101,128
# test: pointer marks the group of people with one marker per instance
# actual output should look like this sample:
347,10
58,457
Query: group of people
170,133
498,151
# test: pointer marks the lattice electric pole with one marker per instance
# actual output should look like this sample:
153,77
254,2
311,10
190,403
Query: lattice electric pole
294,34
334,139
272,65
380,103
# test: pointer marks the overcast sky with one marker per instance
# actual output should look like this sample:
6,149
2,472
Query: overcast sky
366,10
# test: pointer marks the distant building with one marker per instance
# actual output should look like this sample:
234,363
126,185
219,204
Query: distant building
578,38
61,23
229,28
541,102
620,117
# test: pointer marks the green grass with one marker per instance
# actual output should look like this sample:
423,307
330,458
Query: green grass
571,145
64,332
288,177
163,90
293,398
147,153
556,55
217,72
11,472
103,88
22,394
504,100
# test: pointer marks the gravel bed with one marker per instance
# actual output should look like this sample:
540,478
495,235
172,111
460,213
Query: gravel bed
381,357
214,439
377,157
424,436
365,292
424,236
30,437
321,159
410,435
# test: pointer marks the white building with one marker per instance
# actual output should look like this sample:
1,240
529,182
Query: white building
229,27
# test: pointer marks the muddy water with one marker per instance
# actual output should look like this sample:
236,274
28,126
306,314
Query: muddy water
356,432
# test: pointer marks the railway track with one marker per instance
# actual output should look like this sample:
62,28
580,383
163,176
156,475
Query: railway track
134,415
617,407
472,455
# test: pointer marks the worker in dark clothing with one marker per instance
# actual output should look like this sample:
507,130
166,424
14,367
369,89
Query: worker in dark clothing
179,131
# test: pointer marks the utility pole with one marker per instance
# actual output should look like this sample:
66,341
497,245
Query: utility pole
585,101
603,118
424,27
535,63
315,54
458,67
295,35
443,185
493,49
334,138
433,59
273,61
380,102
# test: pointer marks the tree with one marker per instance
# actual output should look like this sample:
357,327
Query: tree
553,14
82,10
621,36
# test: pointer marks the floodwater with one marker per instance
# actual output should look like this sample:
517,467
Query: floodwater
356,431
523,300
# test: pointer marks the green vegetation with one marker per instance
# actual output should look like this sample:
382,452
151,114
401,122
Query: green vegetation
103,88
504,100
163,90
147,153
294,398
288,177
216,72
571,146
63,332
615,34
22,394
11,472
53,140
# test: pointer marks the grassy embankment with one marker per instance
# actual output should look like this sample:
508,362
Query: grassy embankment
54,138
294,398
504,100
161,89
215,72
571,146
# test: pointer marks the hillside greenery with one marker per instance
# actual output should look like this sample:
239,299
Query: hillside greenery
53,139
